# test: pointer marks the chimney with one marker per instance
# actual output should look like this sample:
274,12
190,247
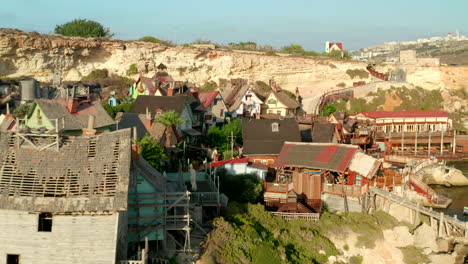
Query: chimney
148,120
135,146
170,91
90,131
72,105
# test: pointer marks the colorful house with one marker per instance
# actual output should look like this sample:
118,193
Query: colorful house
241,100
70,116
280,103
214,105
331,46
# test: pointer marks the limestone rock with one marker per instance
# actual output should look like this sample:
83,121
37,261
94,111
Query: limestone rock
425,237
442,258
399,236
444,245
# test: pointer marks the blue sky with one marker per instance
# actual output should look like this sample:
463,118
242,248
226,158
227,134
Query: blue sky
309,23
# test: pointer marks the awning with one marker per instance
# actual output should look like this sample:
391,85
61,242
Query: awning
191,132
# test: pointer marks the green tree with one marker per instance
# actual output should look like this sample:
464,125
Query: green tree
125,106
293,49
22,110
169,119
83,28
328,110
219,137
150,39
242,188
152,152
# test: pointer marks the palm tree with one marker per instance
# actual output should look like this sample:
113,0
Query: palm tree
170,120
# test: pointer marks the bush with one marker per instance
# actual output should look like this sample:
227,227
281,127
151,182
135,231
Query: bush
328,110
341,84
157,41
413,255
338,54
152,152
270,53
208,87
96,74
362,74
296,49
132,69
83,28
243,188
123,107
22,111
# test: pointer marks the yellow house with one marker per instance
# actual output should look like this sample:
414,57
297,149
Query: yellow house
280,103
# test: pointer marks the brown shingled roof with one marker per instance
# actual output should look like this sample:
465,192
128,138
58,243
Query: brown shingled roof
286,100
153,103
259,139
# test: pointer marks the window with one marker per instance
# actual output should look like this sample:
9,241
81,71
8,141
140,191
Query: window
272,101
275,127
45,222
278,112
358,180
221,113
215,102
12,259
270,111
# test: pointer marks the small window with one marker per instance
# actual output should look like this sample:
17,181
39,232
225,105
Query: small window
45,222
12,259
275,127
270,111
278,112
358,180
272,101
221,113
215,101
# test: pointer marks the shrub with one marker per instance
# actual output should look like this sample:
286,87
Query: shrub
296,49
328,110
341,84
270,53
83,28
362,74
152,152
96,74
22,111
150,39
132,69
208,87
123,107
338,54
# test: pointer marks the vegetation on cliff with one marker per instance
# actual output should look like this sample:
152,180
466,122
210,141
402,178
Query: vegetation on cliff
83,28
248,234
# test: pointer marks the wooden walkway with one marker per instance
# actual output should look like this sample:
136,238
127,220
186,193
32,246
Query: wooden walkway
450,224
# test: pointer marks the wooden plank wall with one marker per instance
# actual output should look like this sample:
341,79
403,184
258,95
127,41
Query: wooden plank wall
74,239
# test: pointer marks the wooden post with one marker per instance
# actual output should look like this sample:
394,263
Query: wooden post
429,144
454,144
441,223
442,142
403,138
416,142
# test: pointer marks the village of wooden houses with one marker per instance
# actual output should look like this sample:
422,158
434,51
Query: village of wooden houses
143,183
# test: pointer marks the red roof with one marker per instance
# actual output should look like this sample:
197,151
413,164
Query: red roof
327,156
228,161
339,44
206,98
405,113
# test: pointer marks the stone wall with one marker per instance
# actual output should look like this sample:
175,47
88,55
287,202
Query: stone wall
74,239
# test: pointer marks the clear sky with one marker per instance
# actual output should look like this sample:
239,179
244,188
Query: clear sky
358,23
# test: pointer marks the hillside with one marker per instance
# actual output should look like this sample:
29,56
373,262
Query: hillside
39,55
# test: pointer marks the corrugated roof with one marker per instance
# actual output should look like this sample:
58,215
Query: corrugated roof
405,113
259,138
326,156
364,164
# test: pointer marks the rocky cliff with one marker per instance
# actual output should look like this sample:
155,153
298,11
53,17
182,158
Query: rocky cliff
33,54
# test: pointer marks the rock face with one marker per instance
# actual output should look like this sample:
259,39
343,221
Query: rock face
39,55
425,237
444,176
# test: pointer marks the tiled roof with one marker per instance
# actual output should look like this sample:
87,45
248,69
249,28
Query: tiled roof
339,44
405,113
326,156
259,139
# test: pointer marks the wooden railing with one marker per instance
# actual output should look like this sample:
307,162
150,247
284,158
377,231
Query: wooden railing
350,190
292,216
278,187
435,134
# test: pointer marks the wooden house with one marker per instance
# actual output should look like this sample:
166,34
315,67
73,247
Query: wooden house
83,199
311,169
241,100
280,103
214,105
70,116
263,138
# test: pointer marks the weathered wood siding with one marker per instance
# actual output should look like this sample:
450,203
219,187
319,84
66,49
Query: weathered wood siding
74,239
